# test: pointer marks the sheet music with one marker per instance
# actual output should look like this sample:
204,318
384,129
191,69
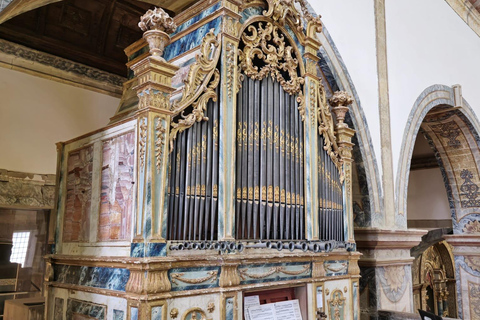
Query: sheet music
262,312
249,302
288,310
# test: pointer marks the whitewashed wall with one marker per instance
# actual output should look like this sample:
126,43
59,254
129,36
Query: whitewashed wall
35,113
427,43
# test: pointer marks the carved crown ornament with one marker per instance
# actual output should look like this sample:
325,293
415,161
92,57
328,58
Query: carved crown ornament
200,84
282,10
157,24
265,53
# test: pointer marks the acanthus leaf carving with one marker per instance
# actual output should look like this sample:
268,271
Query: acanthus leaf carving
142,141
326,126
200,72
268,46
198,111
159,142
202,80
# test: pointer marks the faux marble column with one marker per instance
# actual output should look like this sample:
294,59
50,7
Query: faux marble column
154,85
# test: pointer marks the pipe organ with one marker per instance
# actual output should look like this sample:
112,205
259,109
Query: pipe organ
223,152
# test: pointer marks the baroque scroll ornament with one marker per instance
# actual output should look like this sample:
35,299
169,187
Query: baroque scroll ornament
275,57
199,86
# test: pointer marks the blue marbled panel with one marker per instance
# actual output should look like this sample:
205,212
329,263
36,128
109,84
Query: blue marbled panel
229,306
336,267
294,37
191,40
264,272
157,313
85,308
156,249
194,273
118,314
133,313
197,18
137,250
97,277
250,12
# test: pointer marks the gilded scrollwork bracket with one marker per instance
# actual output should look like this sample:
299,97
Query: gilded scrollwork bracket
202,80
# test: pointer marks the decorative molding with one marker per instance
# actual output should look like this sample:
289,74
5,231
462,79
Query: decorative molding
156,25
174,313
44,65
159,142
211,275
156,99
142,141
313,104
230,61
26,190
330,267
276,269
231,26
198,85
269,45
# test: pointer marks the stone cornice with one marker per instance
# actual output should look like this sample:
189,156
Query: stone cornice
20,190
369,238
464,244
21,58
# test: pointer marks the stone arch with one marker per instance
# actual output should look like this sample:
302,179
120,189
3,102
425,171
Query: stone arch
451,127
338,78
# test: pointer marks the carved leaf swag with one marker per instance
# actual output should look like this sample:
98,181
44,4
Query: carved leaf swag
143,141
277,269
199,86
159,142
342,267
198,111
211,275
326,127
269,46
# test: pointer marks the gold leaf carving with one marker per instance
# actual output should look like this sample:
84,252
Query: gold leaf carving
278,58
159,142
198,112
231,26
142,141
327,127
211,275
200,72
230,68
199,86
281,10
149,98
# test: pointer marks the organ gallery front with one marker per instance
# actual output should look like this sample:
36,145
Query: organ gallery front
223,178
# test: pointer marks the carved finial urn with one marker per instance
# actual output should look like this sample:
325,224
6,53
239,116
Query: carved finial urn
339,102
157,24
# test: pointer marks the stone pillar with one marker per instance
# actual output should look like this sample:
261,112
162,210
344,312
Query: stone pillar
467,271
154,79
386,272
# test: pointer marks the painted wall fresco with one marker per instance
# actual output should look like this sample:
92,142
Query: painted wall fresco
78,195
456,146
117,195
